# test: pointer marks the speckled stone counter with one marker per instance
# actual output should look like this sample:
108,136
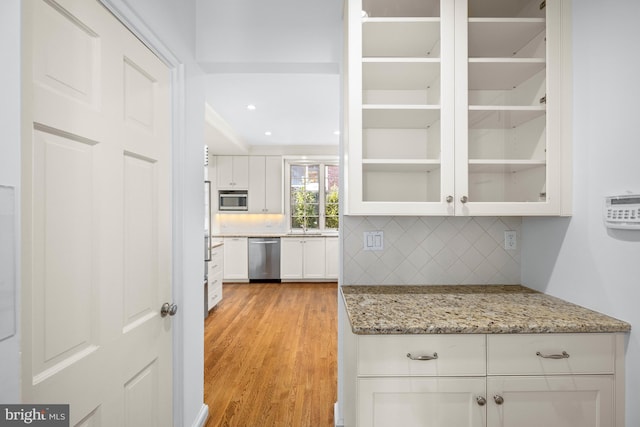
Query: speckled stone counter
467,310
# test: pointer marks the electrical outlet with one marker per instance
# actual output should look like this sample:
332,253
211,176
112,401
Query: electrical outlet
510,240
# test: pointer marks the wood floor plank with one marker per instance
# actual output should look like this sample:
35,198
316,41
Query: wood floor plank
271,355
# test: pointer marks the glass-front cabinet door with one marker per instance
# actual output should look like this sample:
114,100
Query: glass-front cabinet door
401,109
503,144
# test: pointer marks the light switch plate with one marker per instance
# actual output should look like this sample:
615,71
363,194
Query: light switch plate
373,240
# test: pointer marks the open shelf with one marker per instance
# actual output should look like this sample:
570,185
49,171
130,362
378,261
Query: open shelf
507,183
401,8
391,144
397,165
506,37
396,74
503,166
506,9
401,182
401,37
399,117
502,117
502,73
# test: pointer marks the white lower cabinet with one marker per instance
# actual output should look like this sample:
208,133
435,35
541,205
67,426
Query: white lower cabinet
496,380
302,258
551,401
421,402
332,261
236,259
214,276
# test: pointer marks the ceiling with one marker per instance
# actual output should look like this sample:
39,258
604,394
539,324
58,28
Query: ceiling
283,57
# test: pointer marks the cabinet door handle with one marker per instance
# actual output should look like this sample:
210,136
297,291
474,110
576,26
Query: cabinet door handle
564,355
498,399
481,401
425,357
464,199
449,199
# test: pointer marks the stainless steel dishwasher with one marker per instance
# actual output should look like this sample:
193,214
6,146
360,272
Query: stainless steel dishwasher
264,258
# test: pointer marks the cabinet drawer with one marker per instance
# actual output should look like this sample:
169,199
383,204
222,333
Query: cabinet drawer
217,256
215,280
387,355
543,354
214,293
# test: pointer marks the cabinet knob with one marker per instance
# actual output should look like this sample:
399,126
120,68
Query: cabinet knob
449,199
464,199
498,399
481,401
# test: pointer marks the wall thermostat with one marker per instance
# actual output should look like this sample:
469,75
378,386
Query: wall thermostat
622,212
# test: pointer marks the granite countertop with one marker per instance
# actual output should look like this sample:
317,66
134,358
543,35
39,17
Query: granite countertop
283,234
475,309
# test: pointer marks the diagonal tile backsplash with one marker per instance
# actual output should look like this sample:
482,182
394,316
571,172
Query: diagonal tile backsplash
431,251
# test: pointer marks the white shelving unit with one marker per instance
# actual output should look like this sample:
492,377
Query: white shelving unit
447,107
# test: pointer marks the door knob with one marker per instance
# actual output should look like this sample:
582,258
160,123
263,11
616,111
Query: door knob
170,309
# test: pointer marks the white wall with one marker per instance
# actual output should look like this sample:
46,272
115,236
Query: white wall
245,35
577,258
10,172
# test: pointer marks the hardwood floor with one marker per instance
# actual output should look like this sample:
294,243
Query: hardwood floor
271,355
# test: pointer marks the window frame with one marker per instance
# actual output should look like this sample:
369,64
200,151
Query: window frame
322,162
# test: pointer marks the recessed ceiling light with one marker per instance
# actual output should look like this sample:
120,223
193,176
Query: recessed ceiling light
268,133
251,107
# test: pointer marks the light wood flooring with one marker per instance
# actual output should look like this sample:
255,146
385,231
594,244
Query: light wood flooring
271,355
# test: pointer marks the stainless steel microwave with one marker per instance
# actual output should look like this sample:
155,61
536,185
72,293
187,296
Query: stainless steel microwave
232,200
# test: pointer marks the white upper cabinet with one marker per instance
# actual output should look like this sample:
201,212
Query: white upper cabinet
265,184
232,172
458,107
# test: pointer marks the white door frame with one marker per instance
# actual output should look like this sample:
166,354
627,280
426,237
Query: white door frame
132,21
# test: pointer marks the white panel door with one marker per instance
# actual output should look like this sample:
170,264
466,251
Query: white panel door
96,218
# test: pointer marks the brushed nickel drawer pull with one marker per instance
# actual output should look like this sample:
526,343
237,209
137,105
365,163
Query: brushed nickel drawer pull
564,355
427,357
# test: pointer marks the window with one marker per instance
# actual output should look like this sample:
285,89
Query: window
313,195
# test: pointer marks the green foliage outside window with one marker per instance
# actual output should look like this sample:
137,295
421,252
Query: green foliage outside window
331,208
305,209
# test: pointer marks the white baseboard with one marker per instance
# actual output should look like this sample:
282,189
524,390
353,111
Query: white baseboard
202,416
337,421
